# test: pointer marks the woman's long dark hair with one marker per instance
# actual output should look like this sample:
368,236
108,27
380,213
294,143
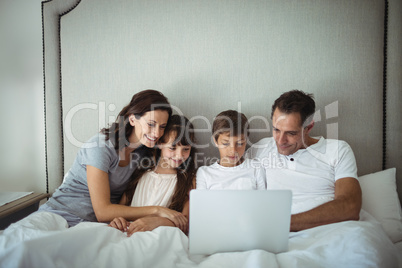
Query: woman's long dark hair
142,102
183,132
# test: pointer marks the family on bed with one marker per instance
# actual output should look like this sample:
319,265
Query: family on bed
136,175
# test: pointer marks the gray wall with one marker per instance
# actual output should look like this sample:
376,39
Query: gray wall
394,97
22,162
209,56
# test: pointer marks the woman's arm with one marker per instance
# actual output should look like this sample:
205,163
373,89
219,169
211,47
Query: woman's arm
105,211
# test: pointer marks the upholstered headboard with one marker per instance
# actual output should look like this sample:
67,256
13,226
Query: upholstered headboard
207,56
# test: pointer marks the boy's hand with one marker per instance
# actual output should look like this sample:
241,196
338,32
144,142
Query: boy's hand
120,224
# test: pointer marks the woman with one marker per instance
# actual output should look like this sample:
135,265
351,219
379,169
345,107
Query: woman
92,188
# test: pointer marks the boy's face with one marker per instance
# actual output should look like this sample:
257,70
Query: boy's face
231,149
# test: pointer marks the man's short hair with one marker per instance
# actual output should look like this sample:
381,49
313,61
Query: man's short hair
296,101
231,122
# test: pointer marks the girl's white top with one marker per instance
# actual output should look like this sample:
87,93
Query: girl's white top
154,189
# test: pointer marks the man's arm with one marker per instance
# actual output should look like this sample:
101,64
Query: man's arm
345,206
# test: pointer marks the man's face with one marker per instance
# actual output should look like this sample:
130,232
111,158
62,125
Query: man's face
288,132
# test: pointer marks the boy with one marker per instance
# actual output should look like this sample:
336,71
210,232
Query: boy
232,171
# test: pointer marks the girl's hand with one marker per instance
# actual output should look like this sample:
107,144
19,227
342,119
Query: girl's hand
178,219
120,224
144,224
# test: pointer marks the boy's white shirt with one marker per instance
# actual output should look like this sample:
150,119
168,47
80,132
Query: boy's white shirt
249,175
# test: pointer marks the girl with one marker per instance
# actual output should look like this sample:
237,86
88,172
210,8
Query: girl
167,184
101,171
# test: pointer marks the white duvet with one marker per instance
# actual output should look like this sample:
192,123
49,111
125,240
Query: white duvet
43,240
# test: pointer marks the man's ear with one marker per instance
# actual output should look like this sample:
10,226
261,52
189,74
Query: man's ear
310,126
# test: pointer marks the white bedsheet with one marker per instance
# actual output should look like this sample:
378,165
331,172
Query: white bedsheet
43,240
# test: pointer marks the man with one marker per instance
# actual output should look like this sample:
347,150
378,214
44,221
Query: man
321,173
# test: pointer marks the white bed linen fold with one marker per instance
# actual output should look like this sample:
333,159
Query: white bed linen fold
43,240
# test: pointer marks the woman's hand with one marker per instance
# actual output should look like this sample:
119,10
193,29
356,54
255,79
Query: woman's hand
178,219
120,224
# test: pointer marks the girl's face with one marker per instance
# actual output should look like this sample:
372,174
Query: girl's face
149,127
172,156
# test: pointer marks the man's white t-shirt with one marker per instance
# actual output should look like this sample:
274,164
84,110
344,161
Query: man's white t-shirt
310,173
249,175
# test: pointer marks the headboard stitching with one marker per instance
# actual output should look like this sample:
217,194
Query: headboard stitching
60,90
384,90
44,96
61,99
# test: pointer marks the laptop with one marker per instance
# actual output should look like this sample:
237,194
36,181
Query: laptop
239,220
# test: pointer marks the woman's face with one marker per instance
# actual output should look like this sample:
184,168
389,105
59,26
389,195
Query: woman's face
149,127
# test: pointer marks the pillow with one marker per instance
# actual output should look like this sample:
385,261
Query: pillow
380,199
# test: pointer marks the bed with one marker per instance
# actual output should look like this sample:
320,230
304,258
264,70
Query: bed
208,56
44,240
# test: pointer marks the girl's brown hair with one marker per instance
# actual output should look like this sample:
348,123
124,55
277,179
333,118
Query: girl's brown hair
142,102
183,132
